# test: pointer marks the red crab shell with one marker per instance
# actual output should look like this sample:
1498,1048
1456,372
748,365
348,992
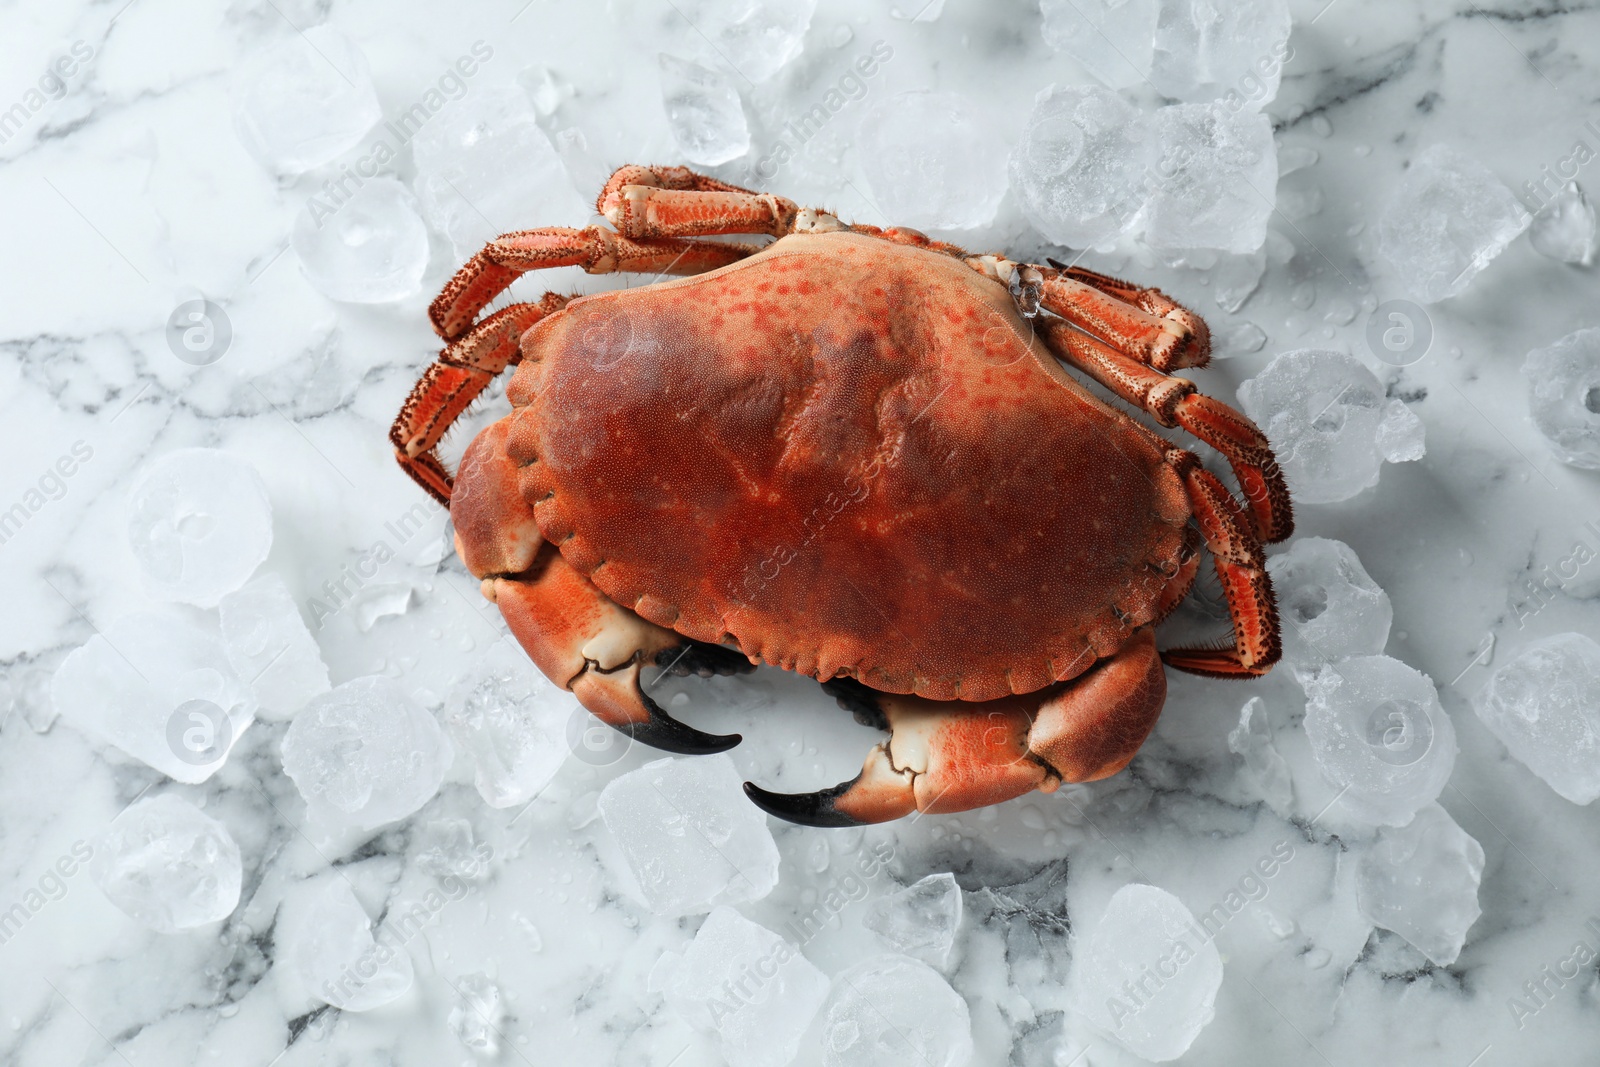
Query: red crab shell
850,458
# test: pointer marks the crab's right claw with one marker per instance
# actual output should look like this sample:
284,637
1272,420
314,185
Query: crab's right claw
947,756
585,642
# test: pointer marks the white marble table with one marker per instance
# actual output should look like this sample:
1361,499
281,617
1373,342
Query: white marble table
129,194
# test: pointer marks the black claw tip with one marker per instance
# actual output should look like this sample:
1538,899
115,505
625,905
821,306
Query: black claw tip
670,735
807,809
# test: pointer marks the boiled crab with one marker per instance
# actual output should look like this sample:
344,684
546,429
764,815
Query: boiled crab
853,453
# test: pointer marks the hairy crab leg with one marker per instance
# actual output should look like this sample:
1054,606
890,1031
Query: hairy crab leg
1197,353
1175,402
587,643
946,756
1242,567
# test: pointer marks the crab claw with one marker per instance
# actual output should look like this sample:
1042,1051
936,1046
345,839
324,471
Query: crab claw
618,700
586,643
947,756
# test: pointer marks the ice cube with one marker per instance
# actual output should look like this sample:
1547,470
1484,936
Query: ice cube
1448,219
485,167
160,689
1265,768
703,111
199,523
269,647
1235,277
689,834
754,37
365,754
446,849
1214,183
327,944
1401,437
1378,732
1205,49
168,865
1564,396
368,248
1564,229
749,986
1544,706
1331,608
1421,881
304,101
892,1011
477,1015
1323,412
1148,975
1080,166
513,722
920,920
933,160
1113,39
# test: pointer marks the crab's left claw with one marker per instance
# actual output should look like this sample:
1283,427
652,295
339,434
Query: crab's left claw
585,642
946,756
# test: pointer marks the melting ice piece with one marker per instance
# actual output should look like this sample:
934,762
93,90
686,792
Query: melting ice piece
1214,183
270,648
1113,40
1331,607
513,722
1544,706
477,1015
703,111
1449,218
891,1011
160,689
1564,396
1148,932
199,522
328,945
369,249
168,865
1377,730
689,834
920,920
1263,764
1234,278
933,160
1421,881
1326,415
1235,50
365,754
484,166
1080,166
755,37
749,986
305,101
1564,229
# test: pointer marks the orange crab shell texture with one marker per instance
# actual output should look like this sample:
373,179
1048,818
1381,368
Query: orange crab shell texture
851,458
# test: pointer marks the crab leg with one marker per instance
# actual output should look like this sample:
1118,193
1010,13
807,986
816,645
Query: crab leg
596,249
1175,402
656,202
448,387
1144,323
945,756
588,644
1242,567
